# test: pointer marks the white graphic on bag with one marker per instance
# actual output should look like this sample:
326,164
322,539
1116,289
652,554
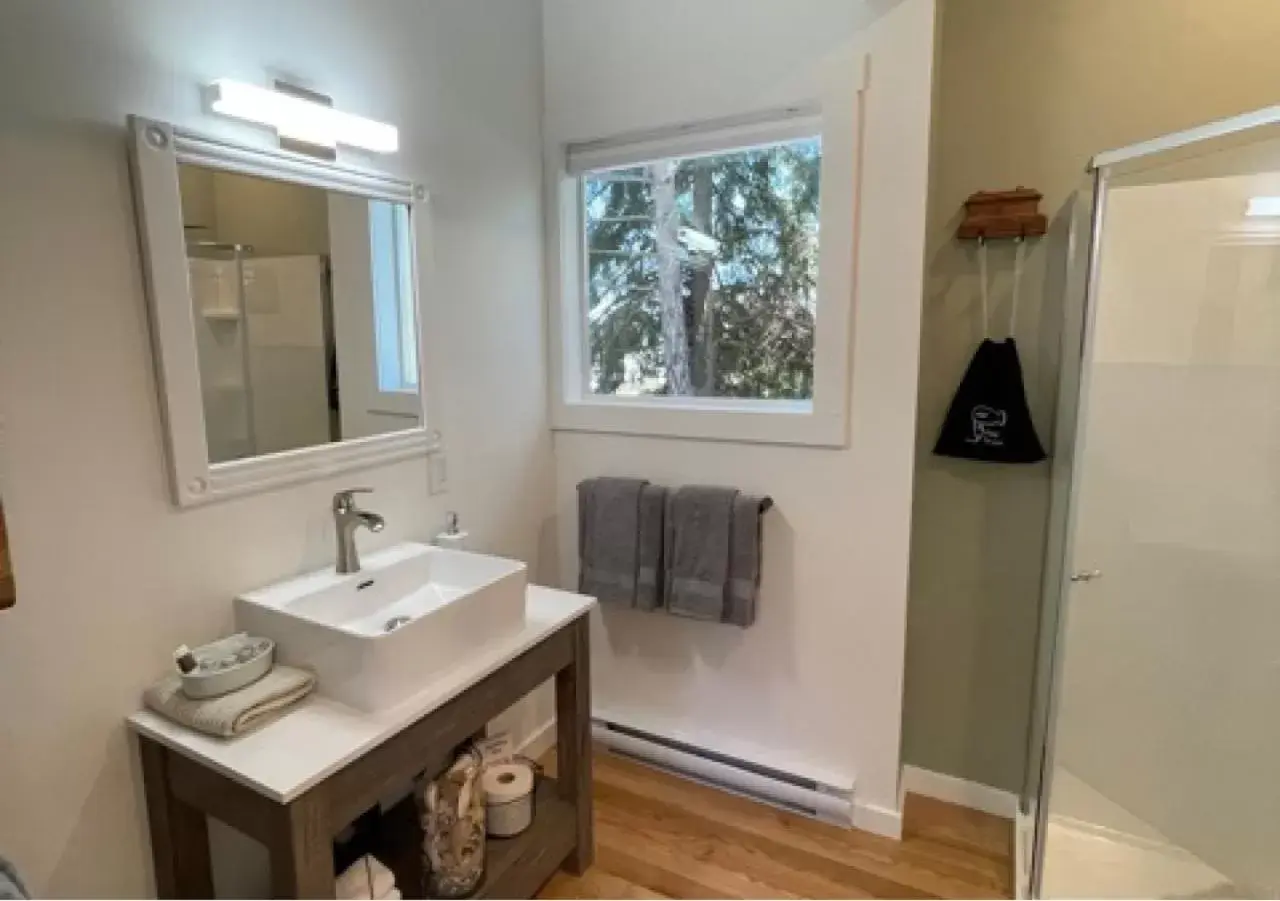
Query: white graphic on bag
987,423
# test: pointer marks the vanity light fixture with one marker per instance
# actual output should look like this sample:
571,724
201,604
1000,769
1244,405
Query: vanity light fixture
299,119
1263,206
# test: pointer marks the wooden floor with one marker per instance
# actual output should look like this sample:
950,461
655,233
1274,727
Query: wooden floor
659,836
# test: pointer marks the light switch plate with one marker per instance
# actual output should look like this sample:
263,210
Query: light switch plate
437,474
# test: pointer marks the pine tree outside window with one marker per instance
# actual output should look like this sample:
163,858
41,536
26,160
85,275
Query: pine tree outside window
701,274
705,277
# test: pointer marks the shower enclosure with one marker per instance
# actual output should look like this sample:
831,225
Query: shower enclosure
1155,746
263,337
216,271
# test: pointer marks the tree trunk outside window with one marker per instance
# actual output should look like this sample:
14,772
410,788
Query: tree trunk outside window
675,339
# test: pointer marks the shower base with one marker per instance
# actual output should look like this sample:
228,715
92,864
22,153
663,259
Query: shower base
1097,849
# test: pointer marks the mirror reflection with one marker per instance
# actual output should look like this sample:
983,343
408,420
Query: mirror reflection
304,311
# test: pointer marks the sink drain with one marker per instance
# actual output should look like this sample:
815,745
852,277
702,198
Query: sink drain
394,623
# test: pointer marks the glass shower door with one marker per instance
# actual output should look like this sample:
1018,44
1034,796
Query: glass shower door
1161,772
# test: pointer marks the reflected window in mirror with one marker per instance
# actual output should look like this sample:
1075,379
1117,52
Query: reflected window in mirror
396,342
304,310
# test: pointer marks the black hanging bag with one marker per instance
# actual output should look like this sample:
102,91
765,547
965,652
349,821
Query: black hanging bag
988,418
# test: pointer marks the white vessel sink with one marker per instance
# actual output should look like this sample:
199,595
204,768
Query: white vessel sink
377,637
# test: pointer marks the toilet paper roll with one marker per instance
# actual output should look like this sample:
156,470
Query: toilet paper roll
508,789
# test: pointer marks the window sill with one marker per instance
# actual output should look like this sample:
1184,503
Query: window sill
799,423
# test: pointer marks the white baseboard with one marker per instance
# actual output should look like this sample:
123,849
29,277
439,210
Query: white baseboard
954,790
537,742
874,818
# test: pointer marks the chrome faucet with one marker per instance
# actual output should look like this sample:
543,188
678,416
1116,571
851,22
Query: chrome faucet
347,517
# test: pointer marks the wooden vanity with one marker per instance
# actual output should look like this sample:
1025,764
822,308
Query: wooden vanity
298,781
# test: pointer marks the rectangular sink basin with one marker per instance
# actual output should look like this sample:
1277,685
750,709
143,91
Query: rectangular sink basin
377,637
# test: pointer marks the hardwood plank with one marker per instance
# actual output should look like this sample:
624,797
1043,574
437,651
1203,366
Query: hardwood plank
622,862
671,836
562,885
220,797
596,883
301,847
693,837
8,591
921,870
605,885
179,832
956,826
763,861
573,742
155,783
671,870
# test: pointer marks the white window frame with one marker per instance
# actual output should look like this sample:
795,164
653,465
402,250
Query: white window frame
822,422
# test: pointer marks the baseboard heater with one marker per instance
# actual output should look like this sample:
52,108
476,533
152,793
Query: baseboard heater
799,794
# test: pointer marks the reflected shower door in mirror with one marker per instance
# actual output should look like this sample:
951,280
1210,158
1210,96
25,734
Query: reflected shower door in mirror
304,310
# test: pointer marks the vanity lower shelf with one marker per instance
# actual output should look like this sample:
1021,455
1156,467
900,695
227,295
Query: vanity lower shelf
514,867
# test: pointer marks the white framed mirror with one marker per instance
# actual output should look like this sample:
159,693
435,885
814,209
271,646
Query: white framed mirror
285,312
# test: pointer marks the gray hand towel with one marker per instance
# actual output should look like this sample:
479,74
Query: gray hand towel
699,519
608,538
745,558
649,574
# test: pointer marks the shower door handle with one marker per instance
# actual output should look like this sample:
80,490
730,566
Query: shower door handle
1086,575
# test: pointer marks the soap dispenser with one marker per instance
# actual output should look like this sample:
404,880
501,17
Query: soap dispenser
452,537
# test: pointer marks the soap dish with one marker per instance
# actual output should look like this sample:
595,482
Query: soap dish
227,664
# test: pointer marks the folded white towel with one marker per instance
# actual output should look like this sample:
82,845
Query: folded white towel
367,878
231,714
393,895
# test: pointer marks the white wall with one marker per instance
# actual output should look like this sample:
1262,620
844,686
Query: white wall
112,576
816,685
288,363
1169,679
277,218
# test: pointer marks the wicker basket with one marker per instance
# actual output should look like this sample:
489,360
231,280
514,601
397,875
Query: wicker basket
451,809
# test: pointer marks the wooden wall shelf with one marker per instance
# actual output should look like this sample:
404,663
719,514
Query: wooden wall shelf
991,215
8,591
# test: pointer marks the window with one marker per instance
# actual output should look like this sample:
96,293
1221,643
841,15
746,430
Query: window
395,335
701,274
706,276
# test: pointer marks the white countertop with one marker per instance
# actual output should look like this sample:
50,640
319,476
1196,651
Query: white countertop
320,736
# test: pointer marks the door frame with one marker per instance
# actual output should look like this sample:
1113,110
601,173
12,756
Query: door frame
1073,394
1073,397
